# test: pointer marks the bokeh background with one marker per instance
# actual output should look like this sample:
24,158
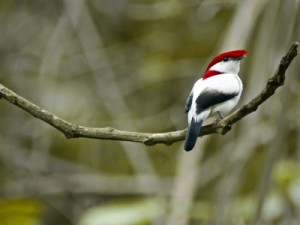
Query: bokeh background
130,64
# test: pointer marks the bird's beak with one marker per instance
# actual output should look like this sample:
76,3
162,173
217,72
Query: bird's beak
241,57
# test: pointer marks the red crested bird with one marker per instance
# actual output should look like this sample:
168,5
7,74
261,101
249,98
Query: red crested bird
218,91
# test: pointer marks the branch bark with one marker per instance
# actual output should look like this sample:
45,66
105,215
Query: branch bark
71,130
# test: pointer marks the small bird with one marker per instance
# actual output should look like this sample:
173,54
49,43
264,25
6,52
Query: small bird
218,91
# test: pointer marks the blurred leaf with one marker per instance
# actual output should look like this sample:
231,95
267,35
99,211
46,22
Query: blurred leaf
273,207
140,212
294,192
285,173
23,211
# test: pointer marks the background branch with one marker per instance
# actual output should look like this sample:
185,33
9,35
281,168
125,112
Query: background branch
75,131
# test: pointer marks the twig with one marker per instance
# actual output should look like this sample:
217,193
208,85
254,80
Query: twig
75,131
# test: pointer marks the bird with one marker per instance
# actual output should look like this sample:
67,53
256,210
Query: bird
216,92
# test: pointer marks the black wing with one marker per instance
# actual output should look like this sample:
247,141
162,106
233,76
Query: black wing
210,97
188,103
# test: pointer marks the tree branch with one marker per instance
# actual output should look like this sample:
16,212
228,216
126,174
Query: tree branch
223,126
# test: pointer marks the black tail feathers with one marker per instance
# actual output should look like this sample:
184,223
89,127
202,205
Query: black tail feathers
192,134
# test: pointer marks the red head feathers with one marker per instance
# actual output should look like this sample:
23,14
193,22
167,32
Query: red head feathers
226,56
236,54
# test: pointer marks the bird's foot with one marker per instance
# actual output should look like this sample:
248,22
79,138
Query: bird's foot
220,117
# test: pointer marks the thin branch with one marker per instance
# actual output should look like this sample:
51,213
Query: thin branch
273,83
75,131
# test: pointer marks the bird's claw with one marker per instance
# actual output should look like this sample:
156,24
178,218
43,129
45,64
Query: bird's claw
219,118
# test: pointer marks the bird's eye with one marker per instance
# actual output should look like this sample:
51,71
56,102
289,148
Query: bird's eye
225,59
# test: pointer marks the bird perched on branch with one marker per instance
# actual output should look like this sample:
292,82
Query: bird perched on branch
218,91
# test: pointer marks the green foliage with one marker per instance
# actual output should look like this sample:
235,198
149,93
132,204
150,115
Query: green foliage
20,211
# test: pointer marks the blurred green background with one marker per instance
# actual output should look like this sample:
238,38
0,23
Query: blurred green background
130,64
